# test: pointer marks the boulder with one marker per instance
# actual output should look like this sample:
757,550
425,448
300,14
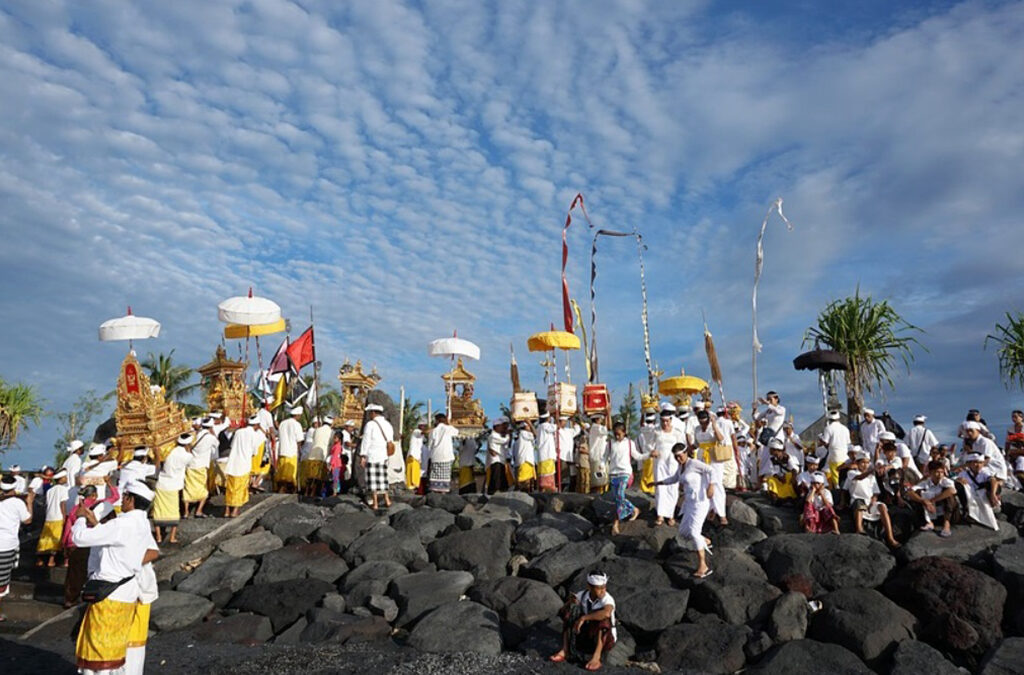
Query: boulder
396,508
326,626
1006,659
637,537
788,620
473,518
292,635
734,599
651,610
484,552
417,594
458,627
808,656
708,647
625,574
301,561
219,573
862,620
604,510
574,526
359,594
559,564
334,602
383,606
373,570
1008,567
446,501
739,512
426,523
532,539
775,519
382,542
175,610
913,658
293,521
565,502
281,601
518,601
344,528
727,564
967,542
959,609
831,562
520,502
243,629
251,545
737,536
624,649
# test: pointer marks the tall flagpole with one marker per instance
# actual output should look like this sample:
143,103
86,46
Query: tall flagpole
316,362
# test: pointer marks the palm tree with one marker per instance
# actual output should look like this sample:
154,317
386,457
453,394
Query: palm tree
873,336
411,418
19,405
1010,338
173,378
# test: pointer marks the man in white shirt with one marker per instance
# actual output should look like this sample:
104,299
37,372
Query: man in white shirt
862,488
870,430
496,478
53,526
220,422
73,463
565,445
837,439
373,451
936,495
589,625
20,484
442,453
197,474
921,440
289,438
467,461
546,431
169,483
415,463
770,418
526,457
118,550
138,468
14,512
245,443
995,461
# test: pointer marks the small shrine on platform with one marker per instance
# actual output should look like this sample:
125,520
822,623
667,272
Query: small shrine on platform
466,414
144,416
223,384
355,385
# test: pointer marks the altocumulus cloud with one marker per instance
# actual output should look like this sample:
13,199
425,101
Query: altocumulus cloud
405,169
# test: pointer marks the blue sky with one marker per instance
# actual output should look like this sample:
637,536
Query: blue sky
406,167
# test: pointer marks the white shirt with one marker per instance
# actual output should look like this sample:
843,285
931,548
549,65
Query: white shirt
619,455
13,513
865,488
837,437
244,446
819,500
56,496
416,445
546,441
497,446
869,433
467,452
376,434
221,426
442,438
567,443
921,441
322,442
203,450
597,440
73,464
773,415
20,485
289,438
996,460
805,478
931,490
694,478
780,470
525,451
978,481
119,544
172,469
134,470
589,604
307,445
665,464
266,420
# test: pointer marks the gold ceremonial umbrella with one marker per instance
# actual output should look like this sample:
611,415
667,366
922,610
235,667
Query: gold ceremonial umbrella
551,340
236,331
682,384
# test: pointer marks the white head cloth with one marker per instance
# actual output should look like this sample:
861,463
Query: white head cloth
597,579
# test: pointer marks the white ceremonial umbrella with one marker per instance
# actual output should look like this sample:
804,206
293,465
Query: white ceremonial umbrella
249,310
453,347
129,327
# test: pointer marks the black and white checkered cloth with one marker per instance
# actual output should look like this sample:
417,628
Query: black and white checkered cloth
376,477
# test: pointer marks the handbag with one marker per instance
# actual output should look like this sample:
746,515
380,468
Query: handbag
391,444
766,435
97,590
721,452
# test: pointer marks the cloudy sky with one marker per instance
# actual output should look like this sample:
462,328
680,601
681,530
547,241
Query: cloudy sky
405,168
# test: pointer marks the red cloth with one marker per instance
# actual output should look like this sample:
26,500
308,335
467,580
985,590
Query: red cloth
820,520
302,352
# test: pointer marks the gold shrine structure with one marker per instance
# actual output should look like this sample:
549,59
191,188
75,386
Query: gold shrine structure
223,385
355,385
467,415
143,415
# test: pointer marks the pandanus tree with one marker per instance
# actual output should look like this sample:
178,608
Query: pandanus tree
875,339
1010,340
19,406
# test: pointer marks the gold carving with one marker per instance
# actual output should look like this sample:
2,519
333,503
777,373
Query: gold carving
143,416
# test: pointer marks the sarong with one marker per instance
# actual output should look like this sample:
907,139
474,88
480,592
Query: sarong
103,636
497,478
377,477
166,510
818,520
8,561
526,473
440,476
583,644
781,488
139,630
647,476
623,507
311,469
195,485
412,473
832,473
467,481
237,493
257,462
49,537
286,471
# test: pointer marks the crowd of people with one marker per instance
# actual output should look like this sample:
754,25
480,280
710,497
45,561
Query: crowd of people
105,517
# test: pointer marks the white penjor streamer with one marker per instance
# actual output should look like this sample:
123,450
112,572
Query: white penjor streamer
758,264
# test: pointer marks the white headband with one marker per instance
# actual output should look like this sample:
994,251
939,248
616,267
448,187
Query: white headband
597,579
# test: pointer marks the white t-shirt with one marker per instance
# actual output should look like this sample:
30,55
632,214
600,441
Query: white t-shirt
837,438
818,501
376,434
172,470
619,454
589,605
865,488
546,441
442,443
869,433
13,513
497,447
73,464
203,450
931,490
921,441
467,452
416,446
55,498
289,438
525,450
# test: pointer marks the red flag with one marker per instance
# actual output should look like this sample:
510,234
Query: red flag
302,352
279,364
566,309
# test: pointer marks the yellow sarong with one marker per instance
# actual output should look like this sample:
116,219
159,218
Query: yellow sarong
782,488
412,473
526,472
166,510
103,636
195,485
49,538
647,476
833,474
257,462
310,469
286,471
466,476
546,467
139,631
237,491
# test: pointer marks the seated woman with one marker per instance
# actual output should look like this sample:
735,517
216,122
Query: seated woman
819,516
936,497
588,623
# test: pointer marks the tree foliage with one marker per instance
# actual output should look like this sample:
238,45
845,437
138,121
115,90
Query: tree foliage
411,417
74,423
20,406
1010,340
629,412
174,378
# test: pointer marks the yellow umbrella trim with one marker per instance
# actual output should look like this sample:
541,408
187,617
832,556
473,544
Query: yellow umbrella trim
234,331
552,339
682,384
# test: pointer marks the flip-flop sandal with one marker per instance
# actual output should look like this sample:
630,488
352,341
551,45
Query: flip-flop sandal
945,533
703,576
927,528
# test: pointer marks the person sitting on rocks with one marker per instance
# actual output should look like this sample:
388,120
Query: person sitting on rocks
805,479
978,491
936,497
890,472
1015,456
862,490
588,624
819,516
780,483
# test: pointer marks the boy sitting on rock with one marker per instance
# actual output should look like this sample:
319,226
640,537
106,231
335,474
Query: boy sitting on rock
588,623
936,495
862,490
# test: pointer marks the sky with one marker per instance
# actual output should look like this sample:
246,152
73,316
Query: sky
405,169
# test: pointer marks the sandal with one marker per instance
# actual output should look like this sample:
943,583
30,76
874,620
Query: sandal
945,533
927,528
703,576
